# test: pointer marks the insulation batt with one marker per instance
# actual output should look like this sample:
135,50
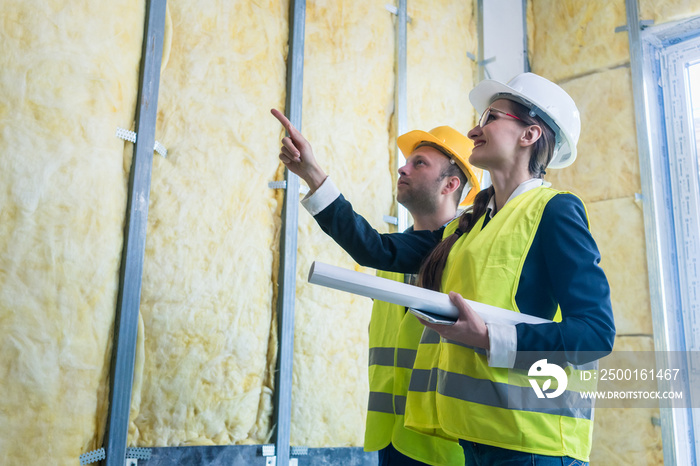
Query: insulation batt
207,332
212,246
348,116
571,37
66,84
608,164
440,74
347,109
664,11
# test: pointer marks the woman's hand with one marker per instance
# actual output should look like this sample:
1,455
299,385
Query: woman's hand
297,156
469,329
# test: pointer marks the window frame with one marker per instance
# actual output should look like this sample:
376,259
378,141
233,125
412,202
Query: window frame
668,216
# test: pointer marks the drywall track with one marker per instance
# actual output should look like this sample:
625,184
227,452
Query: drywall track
252,455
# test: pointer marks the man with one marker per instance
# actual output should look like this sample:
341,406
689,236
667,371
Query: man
430,186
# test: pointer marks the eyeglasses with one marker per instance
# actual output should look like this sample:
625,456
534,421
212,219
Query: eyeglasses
486,116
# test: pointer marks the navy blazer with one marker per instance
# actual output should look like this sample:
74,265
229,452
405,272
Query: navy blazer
561,269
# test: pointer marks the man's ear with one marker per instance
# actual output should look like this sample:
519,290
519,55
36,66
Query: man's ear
531,134
451,185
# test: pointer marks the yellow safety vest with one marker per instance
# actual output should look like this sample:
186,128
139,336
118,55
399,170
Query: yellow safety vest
453,391
393,339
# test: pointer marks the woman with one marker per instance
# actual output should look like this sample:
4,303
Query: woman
526,248
522,247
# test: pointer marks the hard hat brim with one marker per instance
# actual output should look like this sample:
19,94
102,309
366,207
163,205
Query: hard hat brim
484,94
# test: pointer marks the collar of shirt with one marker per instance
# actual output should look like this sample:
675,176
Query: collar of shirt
524,187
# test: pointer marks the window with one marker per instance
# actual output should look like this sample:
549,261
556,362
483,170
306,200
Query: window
669,148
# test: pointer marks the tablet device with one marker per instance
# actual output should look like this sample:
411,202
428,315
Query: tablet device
432,318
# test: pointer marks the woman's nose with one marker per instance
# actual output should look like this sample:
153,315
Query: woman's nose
474,132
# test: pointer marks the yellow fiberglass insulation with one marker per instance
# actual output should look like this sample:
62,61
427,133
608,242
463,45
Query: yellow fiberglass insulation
207,332
213,227
440,73
348,105
569,38
602,170
664,11
66,84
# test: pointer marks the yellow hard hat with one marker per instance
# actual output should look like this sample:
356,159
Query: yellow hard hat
454,143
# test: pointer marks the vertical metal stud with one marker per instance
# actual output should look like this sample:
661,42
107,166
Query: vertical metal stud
526,54
480,38
126,320
288,242
401,92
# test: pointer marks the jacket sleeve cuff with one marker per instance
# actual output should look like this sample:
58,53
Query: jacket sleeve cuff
503,340
321,198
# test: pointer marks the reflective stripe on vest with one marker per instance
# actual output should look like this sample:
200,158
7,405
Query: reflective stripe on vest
453,389
385,357
381,402
501,395
381,357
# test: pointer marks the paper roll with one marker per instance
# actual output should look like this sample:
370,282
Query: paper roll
403,294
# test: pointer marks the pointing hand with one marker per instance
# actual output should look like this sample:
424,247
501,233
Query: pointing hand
297,156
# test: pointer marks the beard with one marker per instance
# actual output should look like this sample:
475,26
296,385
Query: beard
422,201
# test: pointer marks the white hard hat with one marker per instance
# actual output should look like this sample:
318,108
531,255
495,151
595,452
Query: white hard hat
546,100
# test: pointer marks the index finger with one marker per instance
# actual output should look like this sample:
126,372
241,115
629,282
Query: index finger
282,119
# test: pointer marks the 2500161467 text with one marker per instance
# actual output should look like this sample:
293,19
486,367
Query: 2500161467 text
631,374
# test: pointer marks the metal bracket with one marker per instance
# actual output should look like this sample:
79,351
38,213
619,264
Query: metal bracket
268,451
395,11
482,63
643,24
300,451
92,456
130,136
283,185
487,61
132,456
391,220
472,57
138,453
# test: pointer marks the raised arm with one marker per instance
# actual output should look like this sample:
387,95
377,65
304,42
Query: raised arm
394,252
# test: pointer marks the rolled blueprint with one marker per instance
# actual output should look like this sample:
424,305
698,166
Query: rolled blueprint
403,294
